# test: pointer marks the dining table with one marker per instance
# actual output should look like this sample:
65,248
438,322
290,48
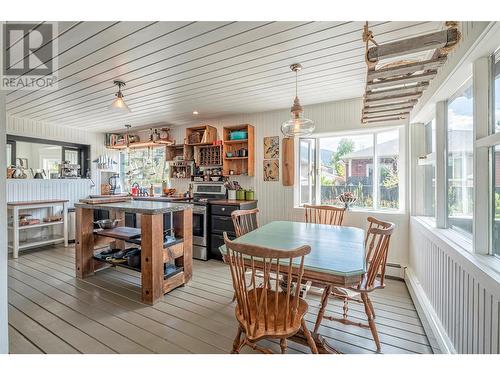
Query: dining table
337,259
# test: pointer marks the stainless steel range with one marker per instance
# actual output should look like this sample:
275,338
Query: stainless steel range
203,193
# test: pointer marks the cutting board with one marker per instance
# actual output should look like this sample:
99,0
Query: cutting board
120,233
104,200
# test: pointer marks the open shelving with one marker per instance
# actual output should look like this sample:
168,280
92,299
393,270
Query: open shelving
239,165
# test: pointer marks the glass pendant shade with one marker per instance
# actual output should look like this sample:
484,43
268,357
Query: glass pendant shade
119,105
298,125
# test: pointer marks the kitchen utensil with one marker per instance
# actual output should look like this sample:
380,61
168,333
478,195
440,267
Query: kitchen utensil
133,257
217,178
107,223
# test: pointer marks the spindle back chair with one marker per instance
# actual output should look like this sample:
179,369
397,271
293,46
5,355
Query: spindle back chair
267,311
245,221
324,214
377,239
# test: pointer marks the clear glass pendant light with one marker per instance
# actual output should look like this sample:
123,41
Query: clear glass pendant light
298,125
118,105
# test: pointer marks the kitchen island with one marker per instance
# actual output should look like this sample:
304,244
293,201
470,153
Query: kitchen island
157,255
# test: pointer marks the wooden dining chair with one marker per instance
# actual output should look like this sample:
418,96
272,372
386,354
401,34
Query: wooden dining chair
264,312
245,221
324,214
377,240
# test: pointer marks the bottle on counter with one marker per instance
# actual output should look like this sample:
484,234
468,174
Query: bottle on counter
151,191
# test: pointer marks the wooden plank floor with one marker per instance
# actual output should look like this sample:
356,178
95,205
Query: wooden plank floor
50,311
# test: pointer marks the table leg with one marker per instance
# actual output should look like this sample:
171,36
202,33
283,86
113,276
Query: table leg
65,223
324,302
152,272
84,244
183,226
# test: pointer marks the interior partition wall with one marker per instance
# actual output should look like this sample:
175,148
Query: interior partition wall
4,344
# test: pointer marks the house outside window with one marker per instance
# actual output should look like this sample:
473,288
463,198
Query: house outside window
366,164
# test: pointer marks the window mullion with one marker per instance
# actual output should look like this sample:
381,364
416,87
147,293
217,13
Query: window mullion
481,155
317,172
441,164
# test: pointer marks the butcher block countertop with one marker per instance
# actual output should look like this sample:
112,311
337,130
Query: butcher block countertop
138,207
232,202
29,203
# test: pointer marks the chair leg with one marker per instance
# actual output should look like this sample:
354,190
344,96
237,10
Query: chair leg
237,342
324,303
283,346
371,307
310,340
345,308
371,321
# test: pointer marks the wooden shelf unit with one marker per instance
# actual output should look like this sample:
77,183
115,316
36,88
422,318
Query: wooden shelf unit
240,165
184,150
208,155
200,135
147,144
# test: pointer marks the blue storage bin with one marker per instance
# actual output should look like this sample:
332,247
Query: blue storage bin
237,135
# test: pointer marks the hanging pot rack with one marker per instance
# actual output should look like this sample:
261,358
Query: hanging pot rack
393,89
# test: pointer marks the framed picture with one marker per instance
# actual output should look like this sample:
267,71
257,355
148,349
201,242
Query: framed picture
271,170
271,147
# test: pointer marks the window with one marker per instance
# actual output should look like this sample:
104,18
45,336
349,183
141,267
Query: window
459,160
427,163
44,156
366,164
307,171
496,166
144,166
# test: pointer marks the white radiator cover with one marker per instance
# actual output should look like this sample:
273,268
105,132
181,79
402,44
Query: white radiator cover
459,296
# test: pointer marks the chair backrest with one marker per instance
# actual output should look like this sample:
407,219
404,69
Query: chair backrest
266,304
245,221
324,214
377,241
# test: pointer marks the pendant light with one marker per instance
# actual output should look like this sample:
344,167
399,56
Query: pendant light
118,105
298,125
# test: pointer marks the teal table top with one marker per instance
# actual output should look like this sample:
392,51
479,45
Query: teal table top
335,250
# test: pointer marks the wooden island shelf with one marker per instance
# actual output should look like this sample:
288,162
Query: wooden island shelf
156,254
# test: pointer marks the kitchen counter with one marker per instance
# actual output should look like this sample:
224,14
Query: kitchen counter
232,202
160,199
157,256
138,206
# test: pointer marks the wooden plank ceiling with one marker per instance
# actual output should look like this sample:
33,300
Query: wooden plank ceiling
216,68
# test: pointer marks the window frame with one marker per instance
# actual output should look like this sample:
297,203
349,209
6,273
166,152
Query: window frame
375,193
468,236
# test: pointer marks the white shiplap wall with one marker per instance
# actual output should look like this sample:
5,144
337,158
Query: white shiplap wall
34,189
275,200
461,297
